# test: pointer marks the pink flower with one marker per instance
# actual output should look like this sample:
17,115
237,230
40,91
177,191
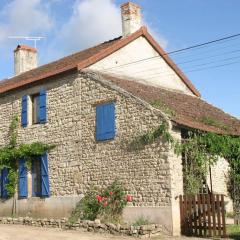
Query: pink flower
129,198
99,198
105,204
111,193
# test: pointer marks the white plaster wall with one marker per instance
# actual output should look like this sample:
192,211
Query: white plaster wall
220,173
154,71
176,183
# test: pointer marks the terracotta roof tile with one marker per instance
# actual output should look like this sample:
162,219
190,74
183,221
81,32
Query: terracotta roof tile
183,109
88,57
59,66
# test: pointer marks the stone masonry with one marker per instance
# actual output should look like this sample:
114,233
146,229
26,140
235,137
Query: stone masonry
79,161
143,231
153,175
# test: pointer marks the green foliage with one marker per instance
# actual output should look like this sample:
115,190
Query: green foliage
12,152
212,122
113,202
87,208
192,182
30,151
150,137
13,132
106,204
230,214
202,149
141,221
160,105
233,231
12,181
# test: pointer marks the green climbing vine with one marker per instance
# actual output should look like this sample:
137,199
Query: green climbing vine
12,152
149,137
201,150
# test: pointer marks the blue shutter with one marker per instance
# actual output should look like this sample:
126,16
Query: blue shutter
43,107
44,176
99,123
23,184
4,182
24,115
105,121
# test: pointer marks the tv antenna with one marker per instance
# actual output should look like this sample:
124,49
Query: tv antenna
34,39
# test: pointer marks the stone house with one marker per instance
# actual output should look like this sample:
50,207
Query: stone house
90,104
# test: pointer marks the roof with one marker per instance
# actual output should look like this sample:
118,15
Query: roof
51,69
86,58
183,109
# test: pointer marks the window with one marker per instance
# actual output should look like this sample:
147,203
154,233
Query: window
105,122
35,100
34,109
40,177
36,177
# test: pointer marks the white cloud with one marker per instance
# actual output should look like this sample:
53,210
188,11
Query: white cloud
23,17
91,22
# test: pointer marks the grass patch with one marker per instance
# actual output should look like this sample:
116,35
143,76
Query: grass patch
213,122
141,221
233,231
162,106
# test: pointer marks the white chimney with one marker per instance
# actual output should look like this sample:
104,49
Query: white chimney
131,18
25,59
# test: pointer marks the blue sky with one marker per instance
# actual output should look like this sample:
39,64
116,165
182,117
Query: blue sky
72,25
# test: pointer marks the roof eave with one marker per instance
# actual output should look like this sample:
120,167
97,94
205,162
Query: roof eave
106,52
33,80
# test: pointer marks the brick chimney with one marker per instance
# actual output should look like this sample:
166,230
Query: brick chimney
131,18
25,59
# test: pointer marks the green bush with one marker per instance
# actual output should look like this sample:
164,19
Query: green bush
12,181
106,204
87,208
141,221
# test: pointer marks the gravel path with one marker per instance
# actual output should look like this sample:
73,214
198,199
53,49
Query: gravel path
18,232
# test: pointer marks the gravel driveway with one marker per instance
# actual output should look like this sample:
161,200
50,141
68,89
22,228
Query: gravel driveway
18,232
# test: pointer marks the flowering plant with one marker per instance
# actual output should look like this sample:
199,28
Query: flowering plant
105,204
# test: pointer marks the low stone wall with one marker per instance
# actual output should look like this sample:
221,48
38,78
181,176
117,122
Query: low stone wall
90,226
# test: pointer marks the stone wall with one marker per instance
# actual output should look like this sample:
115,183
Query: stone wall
145,173
79,161
90,226
59,130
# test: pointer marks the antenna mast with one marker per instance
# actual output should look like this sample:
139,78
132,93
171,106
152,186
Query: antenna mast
28,38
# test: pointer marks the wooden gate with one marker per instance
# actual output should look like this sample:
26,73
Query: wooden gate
203,215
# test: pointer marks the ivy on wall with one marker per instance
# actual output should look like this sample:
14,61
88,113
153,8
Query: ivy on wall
203,150
12,152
